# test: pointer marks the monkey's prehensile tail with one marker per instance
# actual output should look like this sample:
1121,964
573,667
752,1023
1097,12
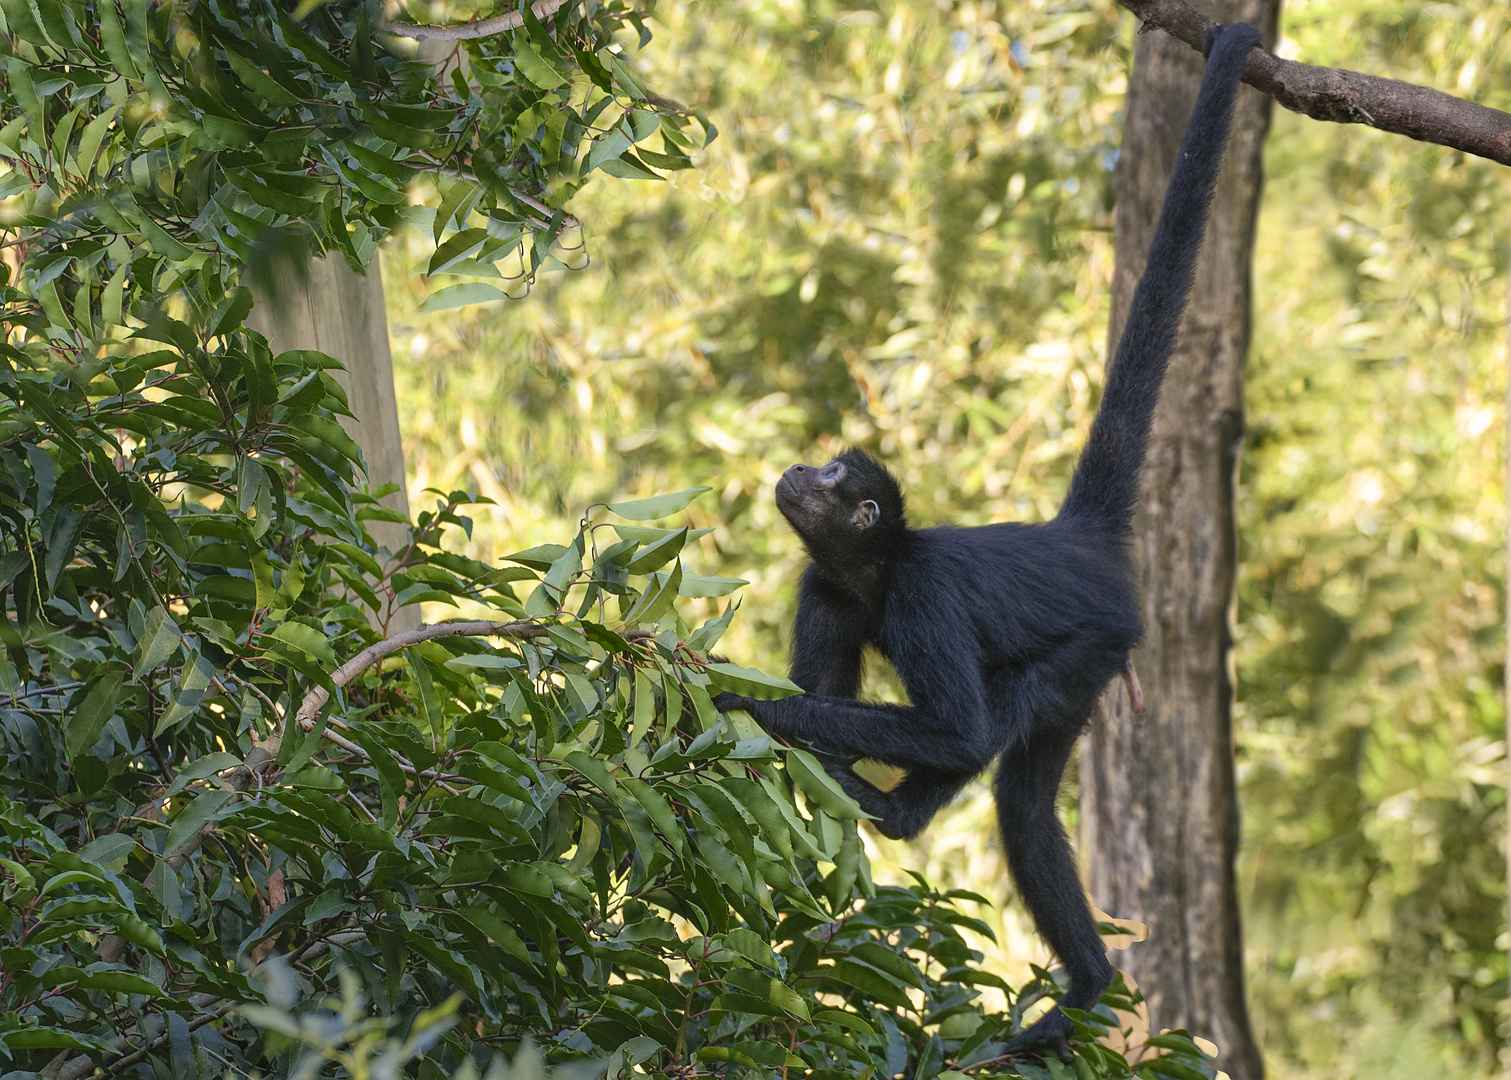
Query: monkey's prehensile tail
1105,486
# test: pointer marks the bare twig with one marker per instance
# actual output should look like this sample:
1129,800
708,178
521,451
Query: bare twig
315,700
511,20
1349,97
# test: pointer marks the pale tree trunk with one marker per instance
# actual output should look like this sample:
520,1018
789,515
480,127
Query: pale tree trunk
331,308
1158,807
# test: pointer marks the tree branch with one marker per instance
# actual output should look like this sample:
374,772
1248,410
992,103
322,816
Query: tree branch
1349,97
511,20
315,700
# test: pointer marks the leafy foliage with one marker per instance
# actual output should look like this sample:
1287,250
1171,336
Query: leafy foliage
158,150
555,837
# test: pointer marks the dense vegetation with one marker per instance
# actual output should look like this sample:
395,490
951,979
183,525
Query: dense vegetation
901,239
251,829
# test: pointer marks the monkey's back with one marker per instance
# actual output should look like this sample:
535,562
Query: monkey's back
1049,602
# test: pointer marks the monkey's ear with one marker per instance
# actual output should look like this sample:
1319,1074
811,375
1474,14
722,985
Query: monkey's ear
865,514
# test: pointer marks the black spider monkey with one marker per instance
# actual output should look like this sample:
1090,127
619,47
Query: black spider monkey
1004,635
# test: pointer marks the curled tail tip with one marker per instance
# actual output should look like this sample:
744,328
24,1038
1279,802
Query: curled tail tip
1234,36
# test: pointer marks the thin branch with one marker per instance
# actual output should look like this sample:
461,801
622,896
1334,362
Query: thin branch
57,688
315,700
511,20
1349,97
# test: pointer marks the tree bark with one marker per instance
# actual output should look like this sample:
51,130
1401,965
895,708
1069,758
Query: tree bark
1158,803
339,312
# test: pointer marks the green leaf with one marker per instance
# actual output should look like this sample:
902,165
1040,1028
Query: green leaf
1166,1065
53,1038
93,712
455,206
658,554
159,640
161,242
699,586
231,312
848,1021
109,851
307,640
94,134
868,981
594,770
658,810
195,680
490,923
820,788
455,296
747,682
561,572
658,506
200,768
752,946
645,706
192,819
538,558
534,67
482,662
645,534
455,249
111,981
660,593
627,167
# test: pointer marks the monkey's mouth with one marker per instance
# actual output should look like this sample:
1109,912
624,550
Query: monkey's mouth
789,502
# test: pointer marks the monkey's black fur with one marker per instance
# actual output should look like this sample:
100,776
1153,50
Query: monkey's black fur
1004,635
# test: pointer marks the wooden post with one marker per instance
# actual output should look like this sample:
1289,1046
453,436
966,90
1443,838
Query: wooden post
1158,804
330,308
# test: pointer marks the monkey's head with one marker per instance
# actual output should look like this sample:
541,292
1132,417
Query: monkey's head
847,511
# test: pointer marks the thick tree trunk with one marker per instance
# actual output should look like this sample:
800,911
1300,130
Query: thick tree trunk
1158,805
340,313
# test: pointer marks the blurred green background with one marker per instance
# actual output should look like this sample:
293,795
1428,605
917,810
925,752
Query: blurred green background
902,239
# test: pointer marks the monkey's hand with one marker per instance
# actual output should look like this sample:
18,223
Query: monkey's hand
760,711
730,702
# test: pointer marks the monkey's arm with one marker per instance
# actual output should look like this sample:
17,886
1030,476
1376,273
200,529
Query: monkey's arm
827,641
945,730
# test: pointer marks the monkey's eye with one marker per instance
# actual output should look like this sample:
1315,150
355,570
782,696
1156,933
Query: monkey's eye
830,474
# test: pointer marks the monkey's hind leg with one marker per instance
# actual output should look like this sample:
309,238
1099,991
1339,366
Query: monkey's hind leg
1044,872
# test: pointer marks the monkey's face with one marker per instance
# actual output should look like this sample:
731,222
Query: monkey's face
839,508
815,499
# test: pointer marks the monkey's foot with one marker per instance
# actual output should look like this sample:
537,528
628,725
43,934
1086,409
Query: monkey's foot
1051,1035
1135,691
